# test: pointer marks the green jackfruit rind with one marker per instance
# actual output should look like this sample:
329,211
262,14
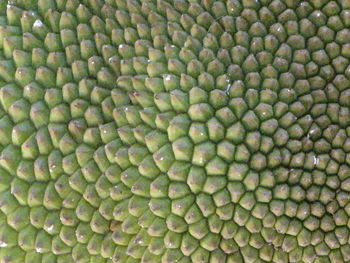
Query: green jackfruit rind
174,131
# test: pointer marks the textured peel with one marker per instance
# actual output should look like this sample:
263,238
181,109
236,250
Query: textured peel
174,131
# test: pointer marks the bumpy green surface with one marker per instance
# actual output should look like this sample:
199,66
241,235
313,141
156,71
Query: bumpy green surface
174,131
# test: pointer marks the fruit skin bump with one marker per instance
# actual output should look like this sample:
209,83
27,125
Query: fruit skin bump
174,131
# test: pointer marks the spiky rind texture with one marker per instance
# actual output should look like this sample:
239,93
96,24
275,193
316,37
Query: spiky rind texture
174,131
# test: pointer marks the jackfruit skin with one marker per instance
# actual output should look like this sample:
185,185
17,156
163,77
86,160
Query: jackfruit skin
174,131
